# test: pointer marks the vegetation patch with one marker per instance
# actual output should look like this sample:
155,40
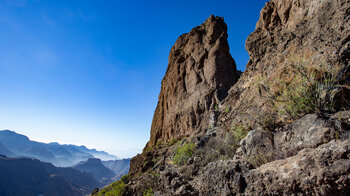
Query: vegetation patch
115,189
300,88
183,153
227,109
125,178
258,160
239,132
173,141
148,192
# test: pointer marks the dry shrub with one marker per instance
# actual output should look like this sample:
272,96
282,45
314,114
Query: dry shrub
300,88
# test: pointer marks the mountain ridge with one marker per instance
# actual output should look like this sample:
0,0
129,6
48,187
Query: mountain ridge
24,176
60,155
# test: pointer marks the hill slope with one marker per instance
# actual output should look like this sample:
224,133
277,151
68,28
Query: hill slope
97,169
23,176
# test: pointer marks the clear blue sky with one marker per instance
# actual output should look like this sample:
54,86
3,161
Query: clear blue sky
88,72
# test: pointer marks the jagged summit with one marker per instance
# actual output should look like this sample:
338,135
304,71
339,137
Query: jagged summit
199,74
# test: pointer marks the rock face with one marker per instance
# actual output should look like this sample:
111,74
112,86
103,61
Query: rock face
314,29
199,75
320,171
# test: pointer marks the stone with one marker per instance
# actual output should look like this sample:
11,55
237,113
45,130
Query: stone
308,132
324,170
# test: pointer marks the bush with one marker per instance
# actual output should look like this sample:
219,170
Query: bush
301,88
173,141
158,144
125,178
227,109
217,148
258,160
148,192
115,189
239,132
183,153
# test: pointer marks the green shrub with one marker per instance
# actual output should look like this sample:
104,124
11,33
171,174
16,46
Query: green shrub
115,189
173,141
258,160
125,178
148,192
183,153
158,144
239,132
216,108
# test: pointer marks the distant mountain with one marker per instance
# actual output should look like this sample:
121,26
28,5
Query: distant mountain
94,166
55,153
5,151
104,171
30,177
119,167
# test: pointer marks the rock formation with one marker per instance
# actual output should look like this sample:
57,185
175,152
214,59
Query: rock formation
199,75
203,96
315,29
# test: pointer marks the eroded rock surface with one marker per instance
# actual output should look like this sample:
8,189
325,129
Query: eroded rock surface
199,75
316,30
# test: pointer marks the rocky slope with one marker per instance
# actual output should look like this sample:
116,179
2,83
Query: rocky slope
216,132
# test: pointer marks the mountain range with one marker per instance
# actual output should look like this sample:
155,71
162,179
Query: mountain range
13,144
25,176
33,168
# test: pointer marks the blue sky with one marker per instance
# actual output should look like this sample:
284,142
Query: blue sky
88,72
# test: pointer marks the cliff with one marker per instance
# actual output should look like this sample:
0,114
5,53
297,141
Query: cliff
200,73
279,128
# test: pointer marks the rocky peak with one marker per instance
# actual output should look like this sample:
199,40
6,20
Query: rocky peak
199,74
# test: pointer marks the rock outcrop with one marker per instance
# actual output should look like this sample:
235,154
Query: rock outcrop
317,30
199,75
320,171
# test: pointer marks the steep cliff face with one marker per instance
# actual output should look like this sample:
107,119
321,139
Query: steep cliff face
199,75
